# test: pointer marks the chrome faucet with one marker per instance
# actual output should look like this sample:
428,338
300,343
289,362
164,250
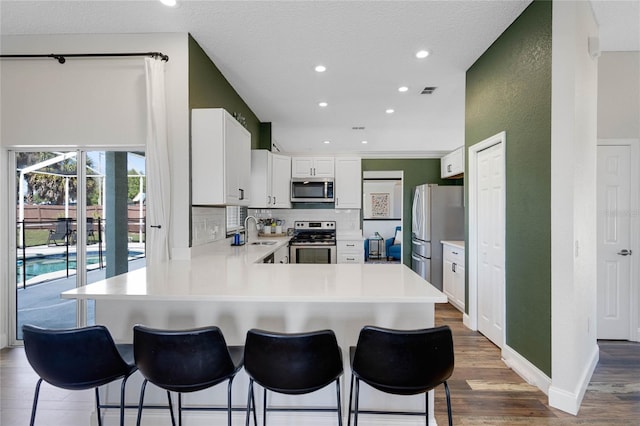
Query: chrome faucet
246,230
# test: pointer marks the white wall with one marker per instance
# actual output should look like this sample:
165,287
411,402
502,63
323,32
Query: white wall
573,204
97,103
619,95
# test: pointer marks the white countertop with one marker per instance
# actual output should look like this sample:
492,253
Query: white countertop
458,244
225,273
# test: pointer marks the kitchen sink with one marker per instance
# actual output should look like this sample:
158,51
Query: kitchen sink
263,243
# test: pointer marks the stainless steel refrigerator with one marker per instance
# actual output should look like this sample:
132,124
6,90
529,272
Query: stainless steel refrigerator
437,215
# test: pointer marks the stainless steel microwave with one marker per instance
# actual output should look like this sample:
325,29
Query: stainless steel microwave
315,190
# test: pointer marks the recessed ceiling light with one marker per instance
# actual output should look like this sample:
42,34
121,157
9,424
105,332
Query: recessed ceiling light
390,111
403,89
365,142
170,3
327,142
322,104
320,68
421,54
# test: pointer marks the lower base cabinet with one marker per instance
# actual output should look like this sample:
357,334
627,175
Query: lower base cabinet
453,281
281,255
350,251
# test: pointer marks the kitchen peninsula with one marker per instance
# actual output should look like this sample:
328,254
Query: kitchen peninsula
224,286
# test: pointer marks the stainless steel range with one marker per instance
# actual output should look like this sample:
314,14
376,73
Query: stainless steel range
313,242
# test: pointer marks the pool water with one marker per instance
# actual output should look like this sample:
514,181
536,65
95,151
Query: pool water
40,265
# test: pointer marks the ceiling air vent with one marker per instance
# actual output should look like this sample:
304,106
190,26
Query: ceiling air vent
357,128
428,90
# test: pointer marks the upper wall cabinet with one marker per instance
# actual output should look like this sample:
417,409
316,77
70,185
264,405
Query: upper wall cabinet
452,164
302,167
348,183
220,159
270,179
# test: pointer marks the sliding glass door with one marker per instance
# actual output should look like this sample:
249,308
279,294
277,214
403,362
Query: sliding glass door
80,217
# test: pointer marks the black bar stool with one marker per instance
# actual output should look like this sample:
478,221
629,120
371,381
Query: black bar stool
402,362
292,364
185,361
77,359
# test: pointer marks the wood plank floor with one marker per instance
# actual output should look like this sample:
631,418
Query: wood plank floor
483,390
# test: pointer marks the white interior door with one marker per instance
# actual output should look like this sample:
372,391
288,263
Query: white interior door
490,243
614,244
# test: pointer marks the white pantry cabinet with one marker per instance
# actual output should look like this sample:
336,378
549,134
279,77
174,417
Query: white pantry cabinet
302,167
220,159
453,266
452,164
270,179
348,183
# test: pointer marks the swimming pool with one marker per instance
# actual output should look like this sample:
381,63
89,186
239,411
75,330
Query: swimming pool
46,264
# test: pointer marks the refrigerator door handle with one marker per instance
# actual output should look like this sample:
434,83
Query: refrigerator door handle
417,215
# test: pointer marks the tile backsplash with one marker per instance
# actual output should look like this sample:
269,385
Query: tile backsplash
346,219
207,225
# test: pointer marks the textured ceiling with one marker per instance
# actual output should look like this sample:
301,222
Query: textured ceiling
268,49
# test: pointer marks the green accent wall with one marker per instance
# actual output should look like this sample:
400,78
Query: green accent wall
208,88
416,172
509,89
265,136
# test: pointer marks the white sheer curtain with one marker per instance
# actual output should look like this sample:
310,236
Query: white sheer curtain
158,171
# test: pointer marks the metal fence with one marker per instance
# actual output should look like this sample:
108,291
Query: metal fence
38,240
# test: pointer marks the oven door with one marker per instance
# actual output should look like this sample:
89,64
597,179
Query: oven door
317,254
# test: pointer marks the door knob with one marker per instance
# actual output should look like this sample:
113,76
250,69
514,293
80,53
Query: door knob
625,252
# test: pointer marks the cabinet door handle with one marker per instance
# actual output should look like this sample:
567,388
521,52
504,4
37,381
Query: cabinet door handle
351,245
241,194
448,167
454,252
453,267
274,199
625,252
351,258
268,199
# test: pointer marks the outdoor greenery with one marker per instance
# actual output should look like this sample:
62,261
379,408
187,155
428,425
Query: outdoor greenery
47,184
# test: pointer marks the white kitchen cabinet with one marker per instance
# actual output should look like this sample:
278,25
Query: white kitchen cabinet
302,167
452,164
350,251
281,255
348,183
220,159
270,179
453,281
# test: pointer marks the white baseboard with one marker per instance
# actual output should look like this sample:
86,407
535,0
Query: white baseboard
4,340
570,400
466,320
529,372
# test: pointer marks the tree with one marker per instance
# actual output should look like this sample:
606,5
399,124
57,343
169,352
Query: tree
134,184
47,185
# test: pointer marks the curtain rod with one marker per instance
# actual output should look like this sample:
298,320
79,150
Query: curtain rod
61,57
